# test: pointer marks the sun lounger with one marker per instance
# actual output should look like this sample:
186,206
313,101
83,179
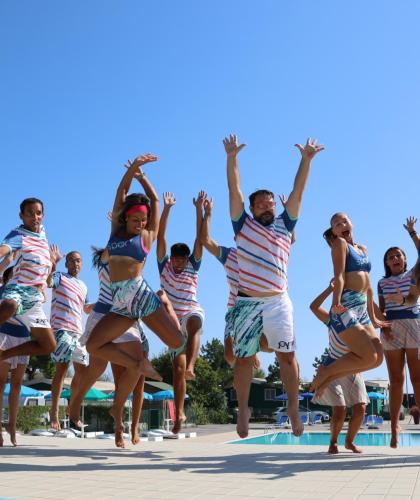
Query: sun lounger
317,419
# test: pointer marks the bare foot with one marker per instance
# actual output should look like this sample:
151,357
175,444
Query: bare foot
55,423
352,447
333,449
135,438
12,433
395,432
118,428
319,378
189,375
146,369
178,424
75,418
243,423
296,423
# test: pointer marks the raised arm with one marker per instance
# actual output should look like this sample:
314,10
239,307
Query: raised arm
5,263
236,199
5,250
210,244
339,254
168,202
124,186
198,245
315,306
410,226
308,151
152,227
55,256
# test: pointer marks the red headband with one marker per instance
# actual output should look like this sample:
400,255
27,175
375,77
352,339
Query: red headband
137,208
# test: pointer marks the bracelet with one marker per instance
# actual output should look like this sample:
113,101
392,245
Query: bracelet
141,174
412,233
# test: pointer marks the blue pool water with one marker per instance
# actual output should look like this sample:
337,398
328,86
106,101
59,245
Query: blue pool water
323,439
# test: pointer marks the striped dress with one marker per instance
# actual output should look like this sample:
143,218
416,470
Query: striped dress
181,288
69,295
263,253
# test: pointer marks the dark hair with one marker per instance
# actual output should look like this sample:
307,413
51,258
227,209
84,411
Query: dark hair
262,192
180,250
336,215
328,236
388,272
71,253
416,273
7,274
30,201
131,201
97,256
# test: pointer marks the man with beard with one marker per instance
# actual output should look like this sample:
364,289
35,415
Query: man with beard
263,306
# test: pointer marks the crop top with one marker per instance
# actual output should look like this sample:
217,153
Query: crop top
133,247
357,262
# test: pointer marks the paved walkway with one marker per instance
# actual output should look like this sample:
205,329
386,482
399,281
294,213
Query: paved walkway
205,467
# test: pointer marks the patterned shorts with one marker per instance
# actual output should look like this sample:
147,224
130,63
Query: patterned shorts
252,317
355,315
183,322
69,348
228,325
134,334
134,298
26,297
405,333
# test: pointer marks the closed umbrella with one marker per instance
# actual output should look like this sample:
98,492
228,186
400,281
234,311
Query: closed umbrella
307,396
375,395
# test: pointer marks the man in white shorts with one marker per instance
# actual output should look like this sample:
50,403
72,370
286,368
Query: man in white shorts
69,302
179,279
263,306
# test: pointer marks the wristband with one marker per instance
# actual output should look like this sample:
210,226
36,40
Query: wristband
412,233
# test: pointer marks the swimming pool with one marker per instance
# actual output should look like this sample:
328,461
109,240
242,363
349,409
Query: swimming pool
323,439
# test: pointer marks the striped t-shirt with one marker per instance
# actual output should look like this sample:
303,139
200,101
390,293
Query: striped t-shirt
263,252
181,288
228,257
390,285
69,295
33,262
104,303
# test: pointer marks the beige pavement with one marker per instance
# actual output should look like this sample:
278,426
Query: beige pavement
205,467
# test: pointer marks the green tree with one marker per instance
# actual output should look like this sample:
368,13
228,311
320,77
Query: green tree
163,365
206,389
214,353
319,361
42,364
274,372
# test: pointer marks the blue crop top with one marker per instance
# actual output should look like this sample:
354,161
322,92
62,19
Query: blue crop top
132,247
357,262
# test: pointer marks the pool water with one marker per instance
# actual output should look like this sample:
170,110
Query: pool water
323,439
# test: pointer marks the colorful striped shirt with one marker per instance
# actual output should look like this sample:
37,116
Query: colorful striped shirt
390,285
181,288
33,262
69,295
228,257
263,252
104,303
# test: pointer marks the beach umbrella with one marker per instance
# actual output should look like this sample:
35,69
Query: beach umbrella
165,395
307,396
146,396
283,397
25,392
377,396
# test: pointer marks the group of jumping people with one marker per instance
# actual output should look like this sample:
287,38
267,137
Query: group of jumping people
259,313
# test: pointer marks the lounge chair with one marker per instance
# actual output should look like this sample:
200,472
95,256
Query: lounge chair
304,419
283,421
317,419
369,421
377,423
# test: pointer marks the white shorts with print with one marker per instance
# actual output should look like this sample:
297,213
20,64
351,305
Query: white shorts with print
7,342
183,320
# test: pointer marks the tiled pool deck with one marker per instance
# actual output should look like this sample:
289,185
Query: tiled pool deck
205,467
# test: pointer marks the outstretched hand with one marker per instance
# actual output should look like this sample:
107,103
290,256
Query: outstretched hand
208,206
410,225
283,200
143,159
339,309
310,149
199,201
169,199
55,254
379,323
231,145
395,298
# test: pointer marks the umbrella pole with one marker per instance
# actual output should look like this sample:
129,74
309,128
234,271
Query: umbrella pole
83,420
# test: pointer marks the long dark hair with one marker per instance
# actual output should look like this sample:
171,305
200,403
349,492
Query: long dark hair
97,256
388,272
328,236
131,201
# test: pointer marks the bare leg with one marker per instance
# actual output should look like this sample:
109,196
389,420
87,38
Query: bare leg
395,361
194,325
414,368
56,388
337,421
4,370
95,369
228,348
242,381
358,414
180,389
137,406
8,308
14,396
165,327
42,343
289,370
365,354
264,344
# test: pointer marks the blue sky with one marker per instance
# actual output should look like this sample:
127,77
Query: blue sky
86,85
